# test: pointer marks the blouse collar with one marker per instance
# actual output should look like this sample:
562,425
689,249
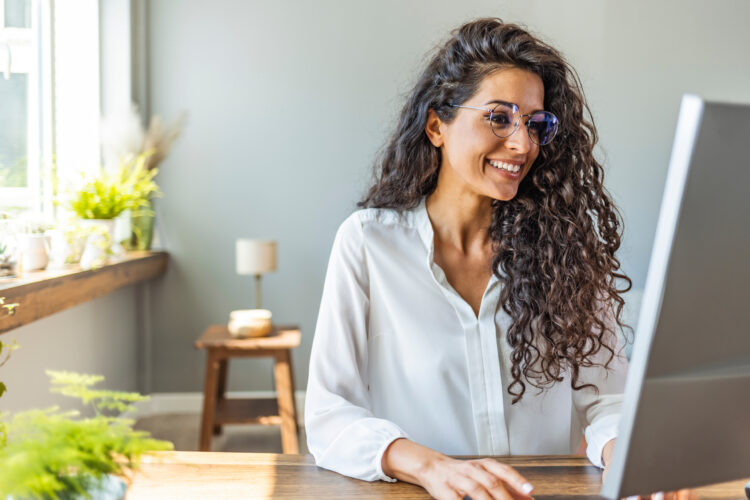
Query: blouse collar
424,227
427,235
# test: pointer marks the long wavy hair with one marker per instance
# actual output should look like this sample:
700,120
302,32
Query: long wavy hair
555,241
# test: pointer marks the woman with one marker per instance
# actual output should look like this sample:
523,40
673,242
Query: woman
472,306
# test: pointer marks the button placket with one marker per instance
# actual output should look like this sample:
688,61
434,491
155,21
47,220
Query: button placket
490,437
492,374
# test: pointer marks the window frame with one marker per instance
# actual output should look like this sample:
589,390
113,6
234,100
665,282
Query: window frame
29,55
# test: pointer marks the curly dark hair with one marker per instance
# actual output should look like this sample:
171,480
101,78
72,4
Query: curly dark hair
555,241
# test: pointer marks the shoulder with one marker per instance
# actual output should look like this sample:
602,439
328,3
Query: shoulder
372,228
366,219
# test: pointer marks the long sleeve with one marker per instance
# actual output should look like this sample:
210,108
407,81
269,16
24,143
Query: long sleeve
343,435
601,410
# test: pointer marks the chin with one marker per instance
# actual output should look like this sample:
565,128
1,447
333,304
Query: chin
505,195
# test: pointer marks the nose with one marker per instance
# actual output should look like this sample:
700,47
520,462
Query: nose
520,141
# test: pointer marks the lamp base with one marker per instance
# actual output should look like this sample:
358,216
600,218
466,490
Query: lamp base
245,323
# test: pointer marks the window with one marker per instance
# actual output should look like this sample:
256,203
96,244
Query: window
47,111
19,111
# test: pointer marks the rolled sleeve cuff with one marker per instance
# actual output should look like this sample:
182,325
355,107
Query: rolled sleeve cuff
358,451
379,459
599,433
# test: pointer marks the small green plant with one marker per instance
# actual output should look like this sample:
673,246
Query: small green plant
33,224
9,309
53,453
8,348
108,195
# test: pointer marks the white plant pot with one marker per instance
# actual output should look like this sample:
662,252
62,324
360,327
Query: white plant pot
98,246
34,249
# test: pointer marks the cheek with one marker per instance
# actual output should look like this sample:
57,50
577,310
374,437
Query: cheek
466,152
533,155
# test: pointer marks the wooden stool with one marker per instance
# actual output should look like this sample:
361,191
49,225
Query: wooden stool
219,410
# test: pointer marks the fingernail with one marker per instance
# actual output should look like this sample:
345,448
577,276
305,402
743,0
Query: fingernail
527,488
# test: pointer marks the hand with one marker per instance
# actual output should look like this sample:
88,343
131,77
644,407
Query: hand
481,479
671,495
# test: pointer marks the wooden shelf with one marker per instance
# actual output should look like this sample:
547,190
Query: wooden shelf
41,293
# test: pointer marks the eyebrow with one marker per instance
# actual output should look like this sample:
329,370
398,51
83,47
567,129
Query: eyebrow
498,101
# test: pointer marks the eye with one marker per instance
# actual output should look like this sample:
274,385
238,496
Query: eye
500,119
536,127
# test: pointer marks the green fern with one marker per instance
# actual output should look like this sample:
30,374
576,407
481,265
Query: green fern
52,453
108,195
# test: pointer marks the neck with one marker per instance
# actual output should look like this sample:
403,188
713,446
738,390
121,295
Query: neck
460,218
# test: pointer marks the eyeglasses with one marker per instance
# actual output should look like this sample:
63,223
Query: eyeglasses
505,117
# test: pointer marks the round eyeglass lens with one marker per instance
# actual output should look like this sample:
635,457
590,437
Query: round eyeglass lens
504,120
542,127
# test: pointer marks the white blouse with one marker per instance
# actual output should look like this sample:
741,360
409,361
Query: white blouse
398,352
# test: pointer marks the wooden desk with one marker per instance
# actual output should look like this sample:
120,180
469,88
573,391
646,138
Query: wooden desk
188,475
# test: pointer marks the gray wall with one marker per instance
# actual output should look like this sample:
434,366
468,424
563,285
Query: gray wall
289,100
98,337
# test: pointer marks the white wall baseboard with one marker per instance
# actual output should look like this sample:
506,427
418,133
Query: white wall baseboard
162,403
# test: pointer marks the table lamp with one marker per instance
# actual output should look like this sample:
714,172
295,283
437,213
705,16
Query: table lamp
254,257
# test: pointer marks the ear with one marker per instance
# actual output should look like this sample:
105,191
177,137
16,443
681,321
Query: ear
434,129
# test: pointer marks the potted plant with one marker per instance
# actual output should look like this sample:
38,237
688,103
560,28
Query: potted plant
123,135
106,196
67,243
142,217
33,243
57,454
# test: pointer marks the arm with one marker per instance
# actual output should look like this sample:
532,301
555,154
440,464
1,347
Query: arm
342,433
409,461
601,410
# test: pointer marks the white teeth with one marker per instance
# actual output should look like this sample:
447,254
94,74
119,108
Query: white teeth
506,166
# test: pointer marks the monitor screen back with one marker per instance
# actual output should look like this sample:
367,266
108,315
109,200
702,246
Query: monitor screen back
686,414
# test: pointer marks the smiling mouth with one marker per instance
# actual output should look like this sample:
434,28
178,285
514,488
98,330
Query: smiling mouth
505,166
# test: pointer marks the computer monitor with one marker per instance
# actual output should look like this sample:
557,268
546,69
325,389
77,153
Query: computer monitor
686,414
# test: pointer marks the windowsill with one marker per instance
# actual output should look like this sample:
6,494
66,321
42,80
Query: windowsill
41,293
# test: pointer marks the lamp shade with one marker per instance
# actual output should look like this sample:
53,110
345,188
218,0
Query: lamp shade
255,256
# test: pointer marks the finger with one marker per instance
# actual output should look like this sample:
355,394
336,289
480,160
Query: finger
495,486
509,475
466,486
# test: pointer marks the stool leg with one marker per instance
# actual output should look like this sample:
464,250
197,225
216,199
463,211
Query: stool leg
221,389
285,394
209,400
